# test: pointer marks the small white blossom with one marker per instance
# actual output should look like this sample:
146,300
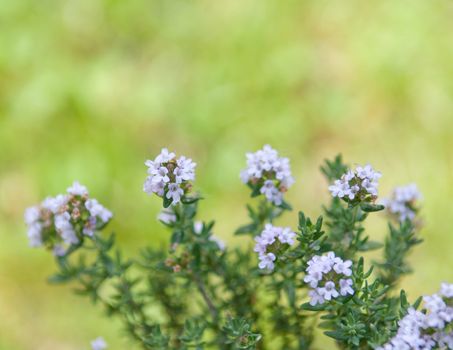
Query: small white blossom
165,156
169,176
62,220
270,172
315,297
360,184
90,226
97,210
98,344
286,235
425,330
220,244
402,202
198,228
265,243
174,193
343,267
267,261
328,291
77,189
167,216
34,234
32,215
59,250
346,287
324,275
313,278
446,290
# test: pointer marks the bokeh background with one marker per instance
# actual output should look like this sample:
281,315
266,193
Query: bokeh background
89,89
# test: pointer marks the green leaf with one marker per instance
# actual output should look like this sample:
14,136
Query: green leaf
245,229
166,201
309,307
336,335
370,245
369,208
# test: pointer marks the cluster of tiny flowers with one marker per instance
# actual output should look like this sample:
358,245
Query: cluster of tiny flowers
329,277
358,185
198,228
169,177
273,240
63,220
268,171
98,344
402,203
431,329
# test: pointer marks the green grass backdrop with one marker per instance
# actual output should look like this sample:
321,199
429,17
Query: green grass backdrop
90,89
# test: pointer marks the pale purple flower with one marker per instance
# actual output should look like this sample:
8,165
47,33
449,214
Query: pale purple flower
161,175
402,202
168,176
220,244
58,250
362,182
99,344
324,275
343,267
446,290
167,216
32,215
165,156
273,171
97,210
346,287
315,297
425,330
174,193
286,235
270,235
77,189
313,278
34,234
267,261
328,291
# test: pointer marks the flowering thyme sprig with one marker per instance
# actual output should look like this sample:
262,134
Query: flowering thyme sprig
402,204
360,185
169,177
61,221
430,329
272,242
329,277
231,301
268,174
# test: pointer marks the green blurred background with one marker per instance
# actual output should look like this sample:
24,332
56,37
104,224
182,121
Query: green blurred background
89,89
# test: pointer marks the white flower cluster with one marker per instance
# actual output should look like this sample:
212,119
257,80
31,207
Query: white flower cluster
402,202
169,177
98,344
268,171
360,184
198,228
328,276
426,330
271,242
63,219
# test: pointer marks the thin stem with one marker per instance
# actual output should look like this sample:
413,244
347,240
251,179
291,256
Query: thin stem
202,289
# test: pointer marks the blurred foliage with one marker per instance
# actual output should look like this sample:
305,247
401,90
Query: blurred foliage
89,89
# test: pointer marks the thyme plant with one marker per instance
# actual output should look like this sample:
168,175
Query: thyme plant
274,290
